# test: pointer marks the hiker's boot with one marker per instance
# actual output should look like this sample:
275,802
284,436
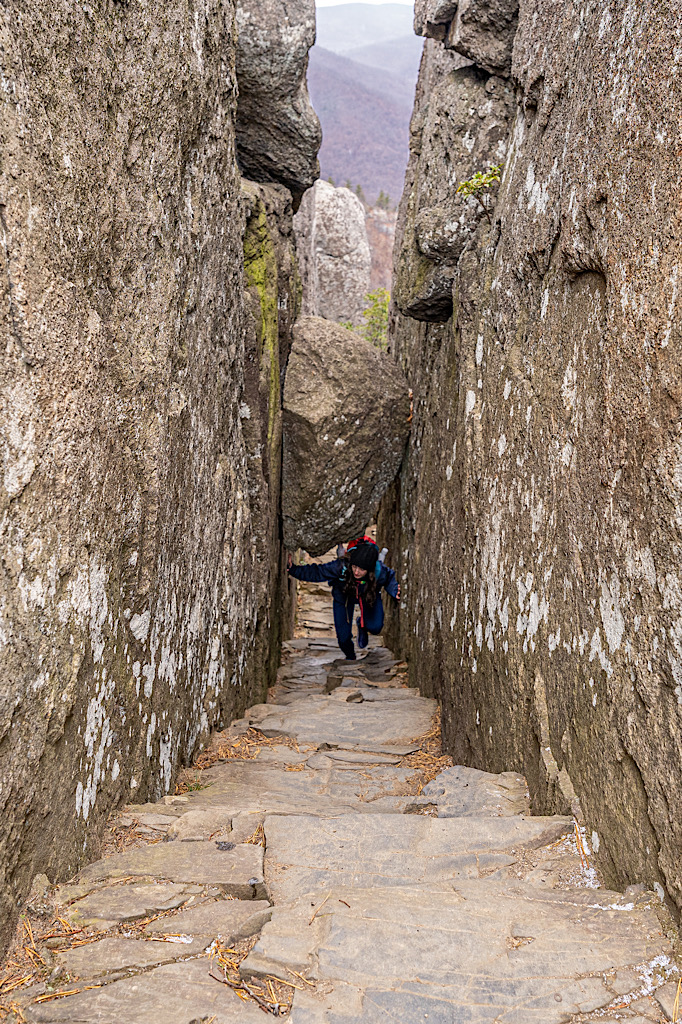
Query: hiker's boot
348,648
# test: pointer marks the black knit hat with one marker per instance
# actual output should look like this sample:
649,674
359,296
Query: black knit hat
365,556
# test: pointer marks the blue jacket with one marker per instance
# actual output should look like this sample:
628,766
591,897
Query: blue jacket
332,573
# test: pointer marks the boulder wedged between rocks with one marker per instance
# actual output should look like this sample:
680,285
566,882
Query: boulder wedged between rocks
345,422
278,132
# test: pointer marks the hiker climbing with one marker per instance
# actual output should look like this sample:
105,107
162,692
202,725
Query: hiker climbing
357,577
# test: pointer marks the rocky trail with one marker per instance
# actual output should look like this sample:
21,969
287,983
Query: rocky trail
315,866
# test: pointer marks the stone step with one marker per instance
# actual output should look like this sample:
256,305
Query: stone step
174,994
403,716
236,870
462,792
306,854
445,903
489,952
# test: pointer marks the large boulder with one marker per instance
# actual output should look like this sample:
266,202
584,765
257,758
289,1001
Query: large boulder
346,413
278,132
482,30
333,253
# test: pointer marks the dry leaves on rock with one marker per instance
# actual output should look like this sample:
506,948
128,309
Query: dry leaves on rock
26,964
271,994
429,761
246,747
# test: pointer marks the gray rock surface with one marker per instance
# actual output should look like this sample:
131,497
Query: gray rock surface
179,993
107,906
346,407
489,952
126,379
238,872
278,132
386,850
377,916
484,31
436,223
552,636
462,792
333,253
120,955
332,719
227,920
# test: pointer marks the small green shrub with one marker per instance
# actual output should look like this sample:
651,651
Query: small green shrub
479,186
375,318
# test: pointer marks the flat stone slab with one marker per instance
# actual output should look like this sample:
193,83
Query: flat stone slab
117,954
238,872
119,903
201,824
229,920
306,855
333,719
490,953
258,788
174,994
464,792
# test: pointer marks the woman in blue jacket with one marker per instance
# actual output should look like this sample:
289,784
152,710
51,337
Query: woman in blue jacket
357,578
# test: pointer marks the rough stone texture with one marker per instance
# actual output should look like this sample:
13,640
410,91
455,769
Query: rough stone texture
114,955
229,920
388,721
346,409
489,952
384,916
333,253
385,850
180,993
482,30
237,872
460,126
278,132
140,579
462,792
108,906
541,499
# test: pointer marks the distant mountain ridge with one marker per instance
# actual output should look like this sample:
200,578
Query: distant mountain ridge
399,56
365,117
362,78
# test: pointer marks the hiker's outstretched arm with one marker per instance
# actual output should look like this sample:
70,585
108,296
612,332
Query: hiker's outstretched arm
391,584
317,573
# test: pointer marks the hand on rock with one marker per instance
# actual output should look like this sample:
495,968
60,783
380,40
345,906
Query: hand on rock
397,596
290,559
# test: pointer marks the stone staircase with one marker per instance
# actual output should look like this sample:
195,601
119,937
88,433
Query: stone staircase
308,871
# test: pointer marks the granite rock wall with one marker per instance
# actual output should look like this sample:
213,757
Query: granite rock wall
537,521
147,298
333,253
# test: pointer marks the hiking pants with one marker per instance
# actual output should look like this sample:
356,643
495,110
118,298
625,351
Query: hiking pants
343,622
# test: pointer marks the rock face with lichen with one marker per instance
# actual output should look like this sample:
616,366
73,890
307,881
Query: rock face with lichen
147,301
541,500
346,410
333,253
